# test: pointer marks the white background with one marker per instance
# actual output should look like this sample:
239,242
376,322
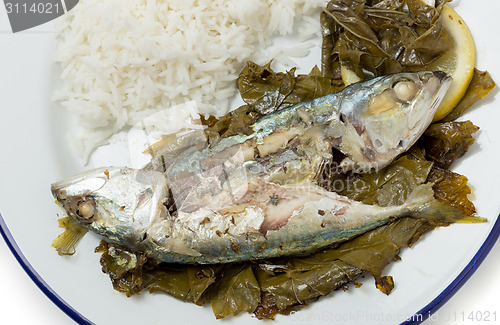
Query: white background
21,302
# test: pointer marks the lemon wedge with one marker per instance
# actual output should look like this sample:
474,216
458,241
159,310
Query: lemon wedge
458,62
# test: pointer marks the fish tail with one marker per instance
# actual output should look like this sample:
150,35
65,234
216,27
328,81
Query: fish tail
421,203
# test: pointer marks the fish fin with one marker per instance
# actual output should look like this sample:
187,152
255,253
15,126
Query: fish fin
171,145
165,152
472,219
159,145
65,243
422,204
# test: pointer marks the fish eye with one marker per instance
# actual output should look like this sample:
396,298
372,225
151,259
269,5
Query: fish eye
405,90
85,210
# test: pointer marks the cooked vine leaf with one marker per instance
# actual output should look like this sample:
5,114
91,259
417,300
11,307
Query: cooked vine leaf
385,284
123,267
452,188
297,288
373,257
200,279
310,86
263,89
184,282
357,46
374,38
297,281
237,290
446,142
376,249
267,308
172,281
479,87
131,273
389,186
235,122
266,91
330,65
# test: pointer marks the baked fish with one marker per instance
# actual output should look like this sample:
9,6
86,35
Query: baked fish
255,195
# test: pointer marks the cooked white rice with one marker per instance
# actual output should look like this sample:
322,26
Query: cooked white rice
125,59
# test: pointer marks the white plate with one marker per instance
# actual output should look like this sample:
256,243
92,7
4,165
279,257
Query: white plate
34,153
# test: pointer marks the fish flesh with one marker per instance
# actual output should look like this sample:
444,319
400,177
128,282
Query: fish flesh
255,195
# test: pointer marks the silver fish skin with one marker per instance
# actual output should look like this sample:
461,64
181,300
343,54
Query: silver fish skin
253,196
126,207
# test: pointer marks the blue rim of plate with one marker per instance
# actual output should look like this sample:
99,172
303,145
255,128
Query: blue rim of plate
40,283
419,317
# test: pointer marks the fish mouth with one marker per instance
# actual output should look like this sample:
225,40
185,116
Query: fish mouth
435,87
442,76
445,81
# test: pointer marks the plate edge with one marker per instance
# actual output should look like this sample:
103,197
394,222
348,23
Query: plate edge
423,314
37,279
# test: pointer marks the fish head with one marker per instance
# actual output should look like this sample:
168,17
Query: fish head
118,203
384,116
